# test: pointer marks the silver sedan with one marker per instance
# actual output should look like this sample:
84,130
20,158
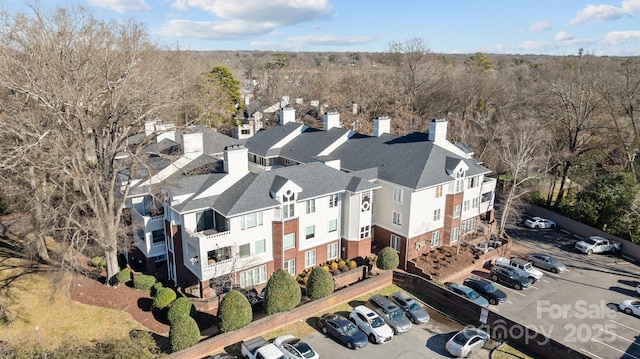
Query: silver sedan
546,262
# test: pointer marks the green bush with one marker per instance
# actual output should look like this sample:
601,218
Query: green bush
98,262
282,293
143,281
164,297
183,333
181,307
388,258
154,289
234,312
320,283
123,276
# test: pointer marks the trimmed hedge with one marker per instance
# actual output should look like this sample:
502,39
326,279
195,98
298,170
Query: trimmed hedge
234,312
155,288
282,293
123,276
320,283
181,307
183,333
388,259
164,297
143,281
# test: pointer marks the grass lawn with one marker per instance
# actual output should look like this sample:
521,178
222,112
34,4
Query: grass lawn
42,300
507,352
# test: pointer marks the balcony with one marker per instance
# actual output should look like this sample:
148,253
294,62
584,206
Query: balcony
207,234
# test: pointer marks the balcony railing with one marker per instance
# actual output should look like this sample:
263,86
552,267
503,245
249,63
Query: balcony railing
158,244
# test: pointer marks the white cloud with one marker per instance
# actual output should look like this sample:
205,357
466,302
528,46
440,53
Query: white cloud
122,5
211,30
540,26
563,36
600,13
299,43
282,12
621,37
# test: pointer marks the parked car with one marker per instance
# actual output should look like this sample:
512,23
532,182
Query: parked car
597,244
486,289
343,330
390,312
411,307
538,222
467,292
638,288
509,276
545,262
523,267
630,306
371,324
466,341
295,348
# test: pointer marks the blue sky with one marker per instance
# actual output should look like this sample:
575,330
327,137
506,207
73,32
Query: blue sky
553,27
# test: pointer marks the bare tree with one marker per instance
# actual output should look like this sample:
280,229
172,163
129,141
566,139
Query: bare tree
77,89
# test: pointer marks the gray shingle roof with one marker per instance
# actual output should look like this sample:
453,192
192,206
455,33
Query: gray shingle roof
252,192
263,140
310,143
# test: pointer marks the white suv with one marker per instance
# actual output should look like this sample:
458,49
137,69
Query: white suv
371,324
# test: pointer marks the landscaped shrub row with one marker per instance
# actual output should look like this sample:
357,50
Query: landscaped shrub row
282,293
183,333
143,281
164,297
123,276
320,283
234,312
181,307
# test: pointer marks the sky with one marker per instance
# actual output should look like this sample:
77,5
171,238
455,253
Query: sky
549,27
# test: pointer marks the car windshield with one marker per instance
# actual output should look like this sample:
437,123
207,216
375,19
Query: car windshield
414,306
551,260
472,295
589,241
305,349
377,322
396,315
489,288
350,329
462,337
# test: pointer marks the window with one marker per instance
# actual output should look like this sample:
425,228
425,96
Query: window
455,234
251,220
310,258
438,191
398,195
332,251
465,205
311,206
333,200
364,232
394,242
475,202
261,246
333,225
456,211
310,232
486,197
253,277
157,236
365,204
218,255
290,266
436,215
459,182
468,225
244,250
397,218
473,181
204,220
288,210
435,239
245,131
289,240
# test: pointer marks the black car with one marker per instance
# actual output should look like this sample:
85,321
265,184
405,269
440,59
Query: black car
343,330
486,289
509,276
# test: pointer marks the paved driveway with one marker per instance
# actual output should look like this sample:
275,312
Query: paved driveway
422,341
577,307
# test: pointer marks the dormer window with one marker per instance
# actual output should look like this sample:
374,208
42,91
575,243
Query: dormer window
365,204
288,196
459,180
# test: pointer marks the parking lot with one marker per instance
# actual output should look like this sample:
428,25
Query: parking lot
577,307
422,341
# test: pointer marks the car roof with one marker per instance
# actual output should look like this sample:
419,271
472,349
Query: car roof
519,260
506,268
402,295
365,311
460,287
477,280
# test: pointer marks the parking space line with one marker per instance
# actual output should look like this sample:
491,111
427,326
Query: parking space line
544,280
591,354
614,348
536,288
623,338
508,301
626,326
511,290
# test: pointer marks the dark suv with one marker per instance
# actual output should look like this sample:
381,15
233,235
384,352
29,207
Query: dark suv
486,289
509,276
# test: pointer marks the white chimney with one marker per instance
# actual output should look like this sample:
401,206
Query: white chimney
193,142
438,130
236,159
331,120
381,125
287,114
150,127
